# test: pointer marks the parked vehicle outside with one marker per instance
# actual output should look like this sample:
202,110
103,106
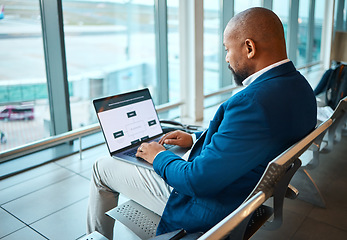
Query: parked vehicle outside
17,113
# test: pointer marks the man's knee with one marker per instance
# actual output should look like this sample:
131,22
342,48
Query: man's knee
99,172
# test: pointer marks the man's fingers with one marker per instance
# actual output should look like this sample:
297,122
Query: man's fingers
169,135
170,141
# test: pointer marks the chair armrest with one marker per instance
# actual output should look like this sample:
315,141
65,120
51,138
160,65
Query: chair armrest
233,220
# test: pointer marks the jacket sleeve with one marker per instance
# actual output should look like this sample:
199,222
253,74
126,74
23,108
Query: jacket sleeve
238,145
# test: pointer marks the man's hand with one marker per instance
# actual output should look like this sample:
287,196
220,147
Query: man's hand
148,151
178,138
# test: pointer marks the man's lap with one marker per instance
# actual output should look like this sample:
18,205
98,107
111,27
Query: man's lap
139,184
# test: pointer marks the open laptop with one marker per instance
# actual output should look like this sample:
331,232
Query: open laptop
127,120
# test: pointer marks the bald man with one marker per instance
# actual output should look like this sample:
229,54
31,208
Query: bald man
276,108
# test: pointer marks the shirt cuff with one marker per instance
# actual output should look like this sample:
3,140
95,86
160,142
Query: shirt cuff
193,137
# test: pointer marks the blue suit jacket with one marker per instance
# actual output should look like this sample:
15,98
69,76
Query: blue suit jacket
248,130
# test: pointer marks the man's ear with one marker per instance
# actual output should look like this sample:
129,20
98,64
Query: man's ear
250,46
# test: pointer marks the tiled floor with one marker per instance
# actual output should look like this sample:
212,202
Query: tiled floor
50,202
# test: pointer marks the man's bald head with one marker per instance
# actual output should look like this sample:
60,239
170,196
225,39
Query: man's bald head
256,35
259,24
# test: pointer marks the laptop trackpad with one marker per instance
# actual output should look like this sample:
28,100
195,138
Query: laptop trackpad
179,150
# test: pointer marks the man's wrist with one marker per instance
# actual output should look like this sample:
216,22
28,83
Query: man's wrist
158,154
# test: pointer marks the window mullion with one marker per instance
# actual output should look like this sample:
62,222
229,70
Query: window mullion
161,51
55,60
310,37
267,4
227,12
292,39
191,19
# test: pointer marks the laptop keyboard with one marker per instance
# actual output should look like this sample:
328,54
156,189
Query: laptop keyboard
167,146
132,152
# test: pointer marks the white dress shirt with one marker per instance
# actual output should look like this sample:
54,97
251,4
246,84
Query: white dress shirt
255,75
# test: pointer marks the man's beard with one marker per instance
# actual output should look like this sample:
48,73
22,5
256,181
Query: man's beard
240,76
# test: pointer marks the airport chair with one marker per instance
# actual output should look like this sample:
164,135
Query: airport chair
339,117
253,213
245,220
326,141
309,191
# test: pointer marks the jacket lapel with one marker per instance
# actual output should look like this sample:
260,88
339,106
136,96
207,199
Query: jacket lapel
206,136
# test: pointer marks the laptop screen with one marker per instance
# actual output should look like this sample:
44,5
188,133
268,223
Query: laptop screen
127,119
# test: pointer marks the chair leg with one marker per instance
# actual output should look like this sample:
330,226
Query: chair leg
340,128
308,190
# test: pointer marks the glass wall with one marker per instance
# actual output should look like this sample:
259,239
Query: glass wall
318,28
24,108
110,49
303,32
244,4
340,23
281,8
212,46
173,50
309,28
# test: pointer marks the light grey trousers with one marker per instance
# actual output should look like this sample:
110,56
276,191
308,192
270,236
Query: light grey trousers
111,177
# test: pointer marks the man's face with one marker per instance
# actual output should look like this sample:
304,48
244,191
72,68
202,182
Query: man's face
235,58
238,76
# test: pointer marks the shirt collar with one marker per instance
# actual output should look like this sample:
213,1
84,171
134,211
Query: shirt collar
255,75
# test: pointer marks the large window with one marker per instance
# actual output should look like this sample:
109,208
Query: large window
173,50
303,32
24,110
212,46
281,8
318,28
110,49
340,23
304,47
244,4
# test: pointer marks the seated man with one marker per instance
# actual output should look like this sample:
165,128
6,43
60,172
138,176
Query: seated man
276,108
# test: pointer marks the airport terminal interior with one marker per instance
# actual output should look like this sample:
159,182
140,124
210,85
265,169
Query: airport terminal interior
59,56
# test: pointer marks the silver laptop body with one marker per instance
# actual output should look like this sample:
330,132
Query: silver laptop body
127,120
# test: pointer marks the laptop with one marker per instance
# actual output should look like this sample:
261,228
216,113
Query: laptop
127,120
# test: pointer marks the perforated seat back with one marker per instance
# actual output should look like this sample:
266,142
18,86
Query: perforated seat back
137,218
